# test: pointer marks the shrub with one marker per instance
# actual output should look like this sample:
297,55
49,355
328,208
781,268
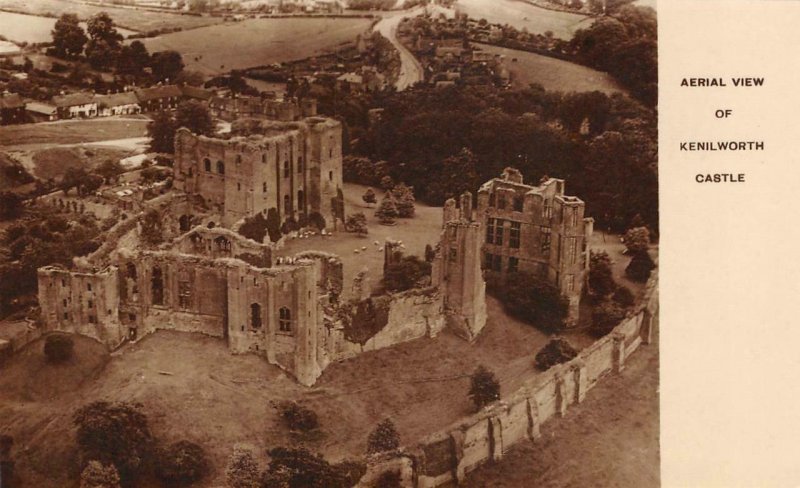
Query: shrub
58,348
273,225
389,479
605,317
99,475
299,468
601,280
484,387
637,239
242,470
387,211
317,220
404,196
254,227
298,417
357,223
383,438
556,351
369,196
181,464
623,297
405,274
640,267
533,300
290,225
115,433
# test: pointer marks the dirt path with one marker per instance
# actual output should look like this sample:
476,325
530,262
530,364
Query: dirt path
610,440
410,69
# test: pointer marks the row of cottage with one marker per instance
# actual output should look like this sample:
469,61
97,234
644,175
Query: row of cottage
14,109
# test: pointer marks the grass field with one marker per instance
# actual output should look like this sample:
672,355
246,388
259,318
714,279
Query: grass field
31,28
71,132
552,73
133,19
255,42
522,15
415,233
220,400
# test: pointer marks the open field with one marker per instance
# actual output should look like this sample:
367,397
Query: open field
256,42
551,73
71,132
129,18
522,15
415,233
220,400
611,439
32,28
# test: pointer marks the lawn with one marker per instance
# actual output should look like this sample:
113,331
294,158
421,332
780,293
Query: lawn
552,73
522,15
133,19
415,233
193,388
31,28
71,132
256,42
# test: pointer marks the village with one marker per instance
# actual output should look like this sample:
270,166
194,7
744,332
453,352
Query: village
390,254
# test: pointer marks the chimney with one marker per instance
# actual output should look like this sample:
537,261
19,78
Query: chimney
466,206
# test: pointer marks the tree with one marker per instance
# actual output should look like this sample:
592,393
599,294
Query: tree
274,225
162,133
73,178
623,297
383,438
58,348
484,387
640,267
299,468
387,211
405,274
104,43
254,227
152,228
194,116
182,464
533,300
99,475
110,170
601,279
166,65
369,196
357,223
115,433
133,58
68,37
91,184
606,316
298,417
404,196
242,470
637,239
556,351
11,205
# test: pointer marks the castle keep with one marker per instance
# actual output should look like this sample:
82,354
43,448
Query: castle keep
538,230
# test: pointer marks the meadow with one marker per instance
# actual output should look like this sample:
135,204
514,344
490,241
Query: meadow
257,42
522,15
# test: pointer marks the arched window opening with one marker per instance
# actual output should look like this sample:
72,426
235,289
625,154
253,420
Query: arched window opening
287,203
223,244
300,164
518,204
185,223
130,270
207,165
220,167
285,320
301,200
255,316
286,170
264,158
158,286
238,159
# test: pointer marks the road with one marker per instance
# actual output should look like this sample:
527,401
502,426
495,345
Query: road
410,69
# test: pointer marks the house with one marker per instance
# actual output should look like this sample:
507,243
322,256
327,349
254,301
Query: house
160,97
12,109
196,93
70,106
352,82
124,103
41,112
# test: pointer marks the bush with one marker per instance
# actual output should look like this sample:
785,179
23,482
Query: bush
298,417
556,351
99,475
406,274
601,280
254,227
58,348
389,479
637,239
115,433
383,438
181,464
317,220
640,267
387,211
357,223
484,387
369,196
605,317
273,225
299,468
404,196
242,470
533,300
623,297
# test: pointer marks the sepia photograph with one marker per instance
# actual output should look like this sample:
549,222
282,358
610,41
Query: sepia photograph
329,244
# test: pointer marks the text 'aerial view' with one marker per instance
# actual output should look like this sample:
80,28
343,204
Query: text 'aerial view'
328,243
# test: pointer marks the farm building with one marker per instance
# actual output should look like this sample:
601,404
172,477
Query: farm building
124,103
73,105
41,112
12,109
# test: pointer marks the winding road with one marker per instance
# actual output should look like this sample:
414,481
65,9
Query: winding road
410,69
